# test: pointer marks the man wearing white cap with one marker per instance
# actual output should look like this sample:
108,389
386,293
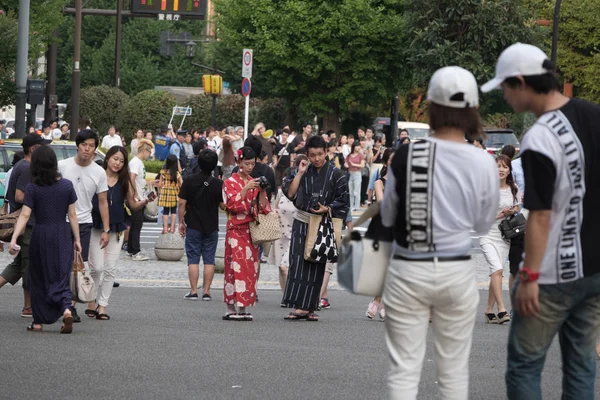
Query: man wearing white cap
438,190
558,286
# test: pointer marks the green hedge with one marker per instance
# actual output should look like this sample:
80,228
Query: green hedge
154,166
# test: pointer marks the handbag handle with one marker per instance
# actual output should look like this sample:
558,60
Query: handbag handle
78,261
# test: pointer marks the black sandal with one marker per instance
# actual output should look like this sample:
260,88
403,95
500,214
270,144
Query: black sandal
103,317
230,317
294,316
490,318
91,313
245,317
32,328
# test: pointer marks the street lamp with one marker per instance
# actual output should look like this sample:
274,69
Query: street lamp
190,49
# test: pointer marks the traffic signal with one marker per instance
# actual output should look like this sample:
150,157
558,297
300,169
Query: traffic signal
206,84
217,84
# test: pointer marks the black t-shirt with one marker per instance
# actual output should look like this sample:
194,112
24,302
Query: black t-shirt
283,152
20,177
202,208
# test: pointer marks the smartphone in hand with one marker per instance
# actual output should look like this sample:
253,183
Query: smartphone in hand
151,196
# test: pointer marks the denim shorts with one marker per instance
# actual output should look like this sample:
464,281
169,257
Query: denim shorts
201,244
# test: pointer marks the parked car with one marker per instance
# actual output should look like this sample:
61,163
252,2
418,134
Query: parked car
63,149
498,138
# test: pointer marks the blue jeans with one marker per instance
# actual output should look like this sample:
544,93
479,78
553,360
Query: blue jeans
354,181
571,309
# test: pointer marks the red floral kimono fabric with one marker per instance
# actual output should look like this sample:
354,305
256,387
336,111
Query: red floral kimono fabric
241,256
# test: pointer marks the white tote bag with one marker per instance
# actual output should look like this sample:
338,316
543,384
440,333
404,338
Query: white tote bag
363,262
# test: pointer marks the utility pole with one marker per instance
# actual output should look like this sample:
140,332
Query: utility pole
118,43
22,67
555,31
51,111
76,82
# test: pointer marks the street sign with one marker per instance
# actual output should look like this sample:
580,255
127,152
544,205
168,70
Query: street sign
247,60
246,87
167,9
182,111
225,85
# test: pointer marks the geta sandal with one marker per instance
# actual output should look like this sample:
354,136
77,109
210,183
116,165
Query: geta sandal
294,316
67,325
230,317
32,327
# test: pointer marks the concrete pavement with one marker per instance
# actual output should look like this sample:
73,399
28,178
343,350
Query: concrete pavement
159,346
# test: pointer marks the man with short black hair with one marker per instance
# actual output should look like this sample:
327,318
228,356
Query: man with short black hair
89,179
20,177
300,140
200,198
111,139
558,285
46,131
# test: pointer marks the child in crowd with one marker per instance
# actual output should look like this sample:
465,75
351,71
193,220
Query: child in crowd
169,184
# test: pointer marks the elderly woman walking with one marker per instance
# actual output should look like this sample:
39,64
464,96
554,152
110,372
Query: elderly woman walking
315,188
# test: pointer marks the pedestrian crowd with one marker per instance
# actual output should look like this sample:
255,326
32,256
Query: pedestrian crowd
432,193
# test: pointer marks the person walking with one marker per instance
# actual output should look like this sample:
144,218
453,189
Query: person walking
494,247
318,188
20,178
102,261
49,198
170,181
200,198
138,176
354,164
452,190
89,179
379,188
558,285
243,199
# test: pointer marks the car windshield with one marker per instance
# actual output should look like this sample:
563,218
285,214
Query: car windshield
500,140
417,133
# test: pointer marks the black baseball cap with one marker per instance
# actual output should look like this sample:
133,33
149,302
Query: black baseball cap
164,128
31,139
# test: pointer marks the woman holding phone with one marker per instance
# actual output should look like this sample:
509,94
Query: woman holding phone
103,261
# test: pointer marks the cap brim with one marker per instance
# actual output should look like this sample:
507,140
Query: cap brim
491,85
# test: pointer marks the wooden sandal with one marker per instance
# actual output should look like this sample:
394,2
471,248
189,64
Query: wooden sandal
312,317
230,317
295,316
67,325
32,328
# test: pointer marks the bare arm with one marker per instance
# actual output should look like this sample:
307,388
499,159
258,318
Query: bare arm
103,205
182,226
295,185
19,196
74,225
21,223
379,190
133,203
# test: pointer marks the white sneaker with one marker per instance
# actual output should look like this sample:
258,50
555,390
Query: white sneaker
139,257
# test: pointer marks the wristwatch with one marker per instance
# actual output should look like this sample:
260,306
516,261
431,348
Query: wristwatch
527,275
107,231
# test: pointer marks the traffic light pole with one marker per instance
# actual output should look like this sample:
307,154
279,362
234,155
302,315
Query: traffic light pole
76,80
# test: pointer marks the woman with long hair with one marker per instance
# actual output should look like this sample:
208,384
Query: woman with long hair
244,198
49,198
168,195
354,163
438,190
121,198
379,188
495,248
139,135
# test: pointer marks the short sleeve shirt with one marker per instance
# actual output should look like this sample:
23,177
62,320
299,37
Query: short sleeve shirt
87,181
136,166
202,194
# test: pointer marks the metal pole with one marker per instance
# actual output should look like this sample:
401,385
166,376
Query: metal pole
22,64
118,43
394,119
246,112
75,89
51,110
214,111
555,21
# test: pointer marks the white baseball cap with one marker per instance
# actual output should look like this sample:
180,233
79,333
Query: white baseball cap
519,59
453,87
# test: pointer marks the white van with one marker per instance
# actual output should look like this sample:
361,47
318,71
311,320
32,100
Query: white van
416,130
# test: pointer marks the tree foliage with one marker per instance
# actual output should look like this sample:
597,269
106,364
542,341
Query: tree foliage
147,110
467,33
321,56
103,105
8,62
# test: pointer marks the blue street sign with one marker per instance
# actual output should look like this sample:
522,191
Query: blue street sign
225,85
246,87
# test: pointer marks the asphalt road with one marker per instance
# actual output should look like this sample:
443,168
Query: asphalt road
159,346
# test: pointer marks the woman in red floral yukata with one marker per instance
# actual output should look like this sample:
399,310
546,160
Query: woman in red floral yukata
241,256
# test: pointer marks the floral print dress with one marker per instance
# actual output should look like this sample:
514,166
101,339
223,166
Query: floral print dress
241,256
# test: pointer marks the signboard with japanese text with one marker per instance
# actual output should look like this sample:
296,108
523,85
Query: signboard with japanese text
247,63
171,9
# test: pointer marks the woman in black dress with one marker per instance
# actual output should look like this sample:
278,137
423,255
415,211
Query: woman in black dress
49,198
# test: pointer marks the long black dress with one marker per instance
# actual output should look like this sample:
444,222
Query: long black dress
329,186
51,249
